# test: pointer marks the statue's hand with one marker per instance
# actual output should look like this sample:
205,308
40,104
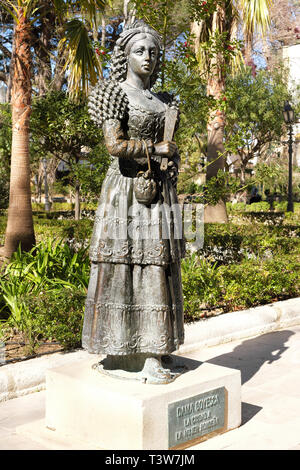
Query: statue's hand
173,172
141,161
165,148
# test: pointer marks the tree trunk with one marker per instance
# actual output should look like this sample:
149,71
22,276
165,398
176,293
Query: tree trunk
11,69
59,75
215,149
216,122
19,228
243,174
77,201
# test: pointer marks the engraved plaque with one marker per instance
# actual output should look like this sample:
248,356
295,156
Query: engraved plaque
196,416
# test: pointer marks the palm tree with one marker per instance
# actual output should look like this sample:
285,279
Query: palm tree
80,58
20,222
222,23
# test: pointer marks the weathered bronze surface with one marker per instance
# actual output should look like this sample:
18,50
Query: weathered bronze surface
134,303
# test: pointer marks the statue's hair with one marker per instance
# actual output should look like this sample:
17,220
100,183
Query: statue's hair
118,69
107,100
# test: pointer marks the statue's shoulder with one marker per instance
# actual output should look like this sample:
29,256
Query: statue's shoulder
107,100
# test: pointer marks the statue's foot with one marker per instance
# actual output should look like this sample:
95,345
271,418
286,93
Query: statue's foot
149,369
154,373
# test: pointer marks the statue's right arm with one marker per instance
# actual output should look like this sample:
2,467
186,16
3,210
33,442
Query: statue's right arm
119,146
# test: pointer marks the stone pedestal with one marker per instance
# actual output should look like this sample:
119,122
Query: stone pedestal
122,414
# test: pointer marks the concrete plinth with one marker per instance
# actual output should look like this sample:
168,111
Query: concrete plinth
112,413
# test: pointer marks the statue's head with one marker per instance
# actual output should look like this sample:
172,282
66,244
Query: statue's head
136,33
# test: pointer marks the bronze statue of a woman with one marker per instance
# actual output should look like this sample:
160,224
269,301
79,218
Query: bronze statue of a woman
134,307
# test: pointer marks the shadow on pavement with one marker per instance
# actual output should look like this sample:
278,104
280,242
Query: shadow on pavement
249,411
249,356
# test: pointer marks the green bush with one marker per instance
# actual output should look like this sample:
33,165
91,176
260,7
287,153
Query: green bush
80,231
230,243
266,218
201,287
47,263
4,192
57,316
51,271
55,206
280,206
235,207
63,206
241,266
222,243
256,283
3,221
237,286
38,206
262,206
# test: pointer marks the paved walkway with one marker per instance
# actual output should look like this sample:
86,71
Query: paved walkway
270,370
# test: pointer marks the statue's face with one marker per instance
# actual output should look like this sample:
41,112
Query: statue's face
142,56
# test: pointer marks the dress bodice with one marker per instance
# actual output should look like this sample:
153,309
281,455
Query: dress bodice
144,124
146,114
141,112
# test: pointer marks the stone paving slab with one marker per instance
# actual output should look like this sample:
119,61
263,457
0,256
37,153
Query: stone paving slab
269,366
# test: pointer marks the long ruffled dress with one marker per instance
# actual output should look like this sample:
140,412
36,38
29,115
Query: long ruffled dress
134,302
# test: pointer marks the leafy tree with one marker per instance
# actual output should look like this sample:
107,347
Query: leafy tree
254,114
215,27
272,176
168,17
62,128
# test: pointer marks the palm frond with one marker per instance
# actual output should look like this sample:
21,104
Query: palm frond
81,61
29,7
89,8
255,14
81,64
10,8
83,8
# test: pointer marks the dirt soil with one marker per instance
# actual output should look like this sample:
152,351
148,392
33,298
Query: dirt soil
14,350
